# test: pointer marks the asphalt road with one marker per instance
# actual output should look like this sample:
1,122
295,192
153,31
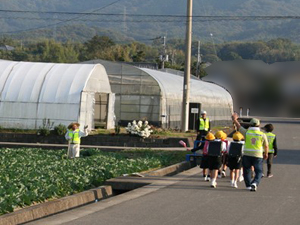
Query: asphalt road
192,201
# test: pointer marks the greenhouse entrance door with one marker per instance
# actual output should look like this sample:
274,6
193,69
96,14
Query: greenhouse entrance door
194,114
101,109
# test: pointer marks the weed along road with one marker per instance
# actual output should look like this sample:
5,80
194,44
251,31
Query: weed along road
188,199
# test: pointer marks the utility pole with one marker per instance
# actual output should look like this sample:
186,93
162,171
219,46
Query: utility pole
187,70
213,41
164,57
198,60
173,57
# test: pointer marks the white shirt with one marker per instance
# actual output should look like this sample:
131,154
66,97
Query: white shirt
223,145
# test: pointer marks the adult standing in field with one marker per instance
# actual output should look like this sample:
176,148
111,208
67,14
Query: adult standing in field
73,136
203,126
255,150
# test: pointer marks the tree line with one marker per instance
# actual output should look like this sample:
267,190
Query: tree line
103,47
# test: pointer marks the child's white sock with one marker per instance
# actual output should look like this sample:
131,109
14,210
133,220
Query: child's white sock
231,182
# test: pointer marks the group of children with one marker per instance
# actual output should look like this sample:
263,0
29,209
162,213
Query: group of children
219,153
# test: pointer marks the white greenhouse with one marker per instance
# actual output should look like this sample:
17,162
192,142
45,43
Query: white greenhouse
157,96
63,93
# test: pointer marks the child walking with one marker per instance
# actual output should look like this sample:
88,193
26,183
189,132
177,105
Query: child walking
272,148
215,158
222,136
204,161
235,150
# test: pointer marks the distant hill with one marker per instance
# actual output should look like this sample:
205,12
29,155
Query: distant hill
126,27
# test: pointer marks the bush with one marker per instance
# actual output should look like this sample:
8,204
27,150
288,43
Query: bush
117,129
46,128
43,132
60,129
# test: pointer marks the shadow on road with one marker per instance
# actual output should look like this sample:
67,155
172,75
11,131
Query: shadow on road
288,157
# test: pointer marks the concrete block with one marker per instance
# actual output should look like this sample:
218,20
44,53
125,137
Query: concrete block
55,206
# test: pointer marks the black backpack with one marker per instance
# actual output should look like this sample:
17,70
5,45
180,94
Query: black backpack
215,148
235,149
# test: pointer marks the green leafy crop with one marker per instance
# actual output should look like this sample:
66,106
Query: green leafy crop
29,175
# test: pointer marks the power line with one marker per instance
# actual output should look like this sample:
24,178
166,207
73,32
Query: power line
93,13
165,19
196,19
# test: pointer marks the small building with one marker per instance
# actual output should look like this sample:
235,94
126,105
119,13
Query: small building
63,93
7,48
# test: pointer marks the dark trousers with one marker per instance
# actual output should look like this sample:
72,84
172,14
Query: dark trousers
201,137
269,163
257,163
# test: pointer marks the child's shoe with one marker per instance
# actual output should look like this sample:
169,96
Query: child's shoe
206,178
235,185
231,183
241,178
223,173
253,187
213,184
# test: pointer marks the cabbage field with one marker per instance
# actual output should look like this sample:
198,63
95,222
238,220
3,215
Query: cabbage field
30,175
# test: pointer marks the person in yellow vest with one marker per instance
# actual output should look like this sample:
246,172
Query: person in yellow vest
73,136
272,148
255,151
203,127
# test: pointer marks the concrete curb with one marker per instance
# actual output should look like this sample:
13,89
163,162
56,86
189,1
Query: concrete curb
55,206
61,146
171,170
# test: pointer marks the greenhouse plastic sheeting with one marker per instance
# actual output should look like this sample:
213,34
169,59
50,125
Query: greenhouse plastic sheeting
31,92
213,98
137,93
157,96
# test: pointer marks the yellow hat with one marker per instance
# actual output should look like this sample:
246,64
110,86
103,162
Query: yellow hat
210,136
221,135
237,136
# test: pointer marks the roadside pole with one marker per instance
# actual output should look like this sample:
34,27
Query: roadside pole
187,69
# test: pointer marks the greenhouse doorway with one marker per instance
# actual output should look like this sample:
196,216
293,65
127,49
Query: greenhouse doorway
101,110
194,114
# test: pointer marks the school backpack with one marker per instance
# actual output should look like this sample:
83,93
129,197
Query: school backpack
215,148
235,149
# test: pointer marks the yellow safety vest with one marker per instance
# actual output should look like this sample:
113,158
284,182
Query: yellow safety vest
74,137
271,138
254,144
204,125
